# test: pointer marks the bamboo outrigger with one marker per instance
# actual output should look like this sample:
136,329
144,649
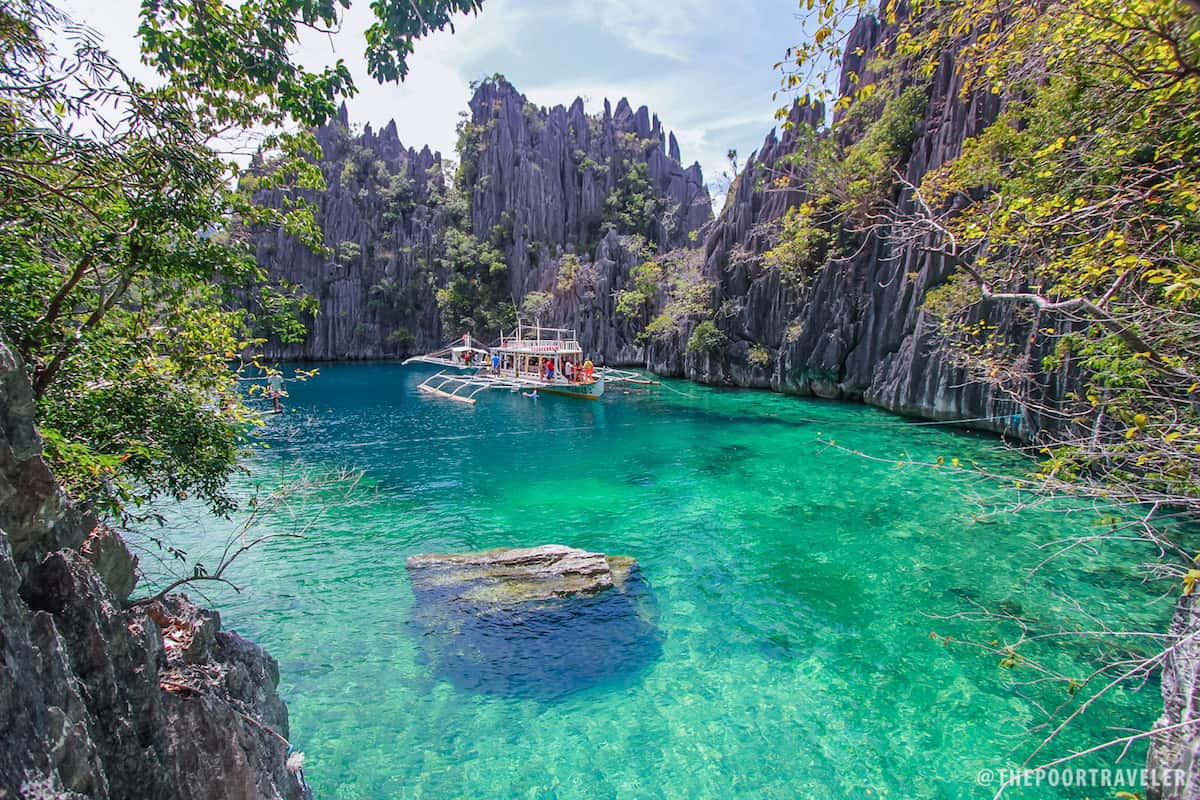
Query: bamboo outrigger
531,359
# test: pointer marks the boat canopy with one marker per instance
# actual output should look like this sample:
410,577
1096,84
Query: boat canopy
536,340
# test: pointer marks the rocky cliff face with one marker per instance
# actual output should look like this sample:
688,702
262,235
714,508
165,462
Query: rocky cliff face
381,217
553,180
1174,757
536,183
855,328
101,700
558,190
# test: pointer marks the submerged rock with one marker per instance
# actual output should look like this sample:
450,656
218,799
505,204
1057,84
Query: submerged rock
539,622
520,574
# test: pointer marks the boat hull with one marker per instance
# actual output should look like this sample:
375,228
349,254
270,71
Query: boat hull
584,391
572,391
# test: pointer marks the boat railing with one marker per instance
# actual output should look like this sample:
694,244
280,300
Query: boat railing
540,345
534,373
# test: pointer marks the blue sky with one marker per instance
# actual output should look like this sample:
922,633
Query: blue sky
704,66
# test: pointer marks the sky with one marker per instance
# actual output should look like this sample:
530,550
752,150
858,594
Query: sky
704,66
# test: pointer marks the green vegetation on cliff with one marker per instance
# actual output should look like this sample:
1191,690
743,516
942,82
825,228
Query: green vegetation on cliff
475,297
1077,207
1068,234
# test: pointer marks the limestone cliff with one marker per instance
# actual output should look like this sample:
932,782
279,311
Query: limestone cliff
1174,757
381,217
558,189
552,180
536,183
102,700
855,329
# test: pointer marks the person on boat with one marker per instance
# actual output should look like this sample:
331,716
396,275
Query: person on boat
569,371
466,358
275,389
496,363
588,370
548,369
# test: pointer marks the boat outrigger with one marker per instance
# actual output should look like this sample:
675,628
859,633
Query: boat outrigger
530,359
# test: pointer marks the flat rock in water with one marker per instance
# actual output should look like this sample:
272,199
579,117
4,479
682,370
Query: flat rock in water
515,575
535,622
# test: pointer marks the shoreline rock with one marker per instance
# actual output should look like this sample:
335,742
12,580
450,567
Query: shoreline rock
106,701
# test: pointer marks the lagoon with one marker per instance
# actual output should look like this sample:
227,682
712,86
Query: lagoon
799,594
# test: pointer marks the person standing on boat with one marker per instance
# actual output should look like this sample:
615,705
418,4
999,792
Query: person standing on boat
275,389
588,369
569,371
496,363
549,365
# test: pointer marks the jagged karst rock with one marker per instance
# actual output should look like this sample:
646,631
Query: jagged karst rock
112,560
589,306
381,221
856,329
537,187
32,511
94,701
538,180
545,174
540,622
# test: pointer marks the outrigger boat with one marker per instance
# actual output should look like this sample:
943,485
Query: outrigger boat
531,359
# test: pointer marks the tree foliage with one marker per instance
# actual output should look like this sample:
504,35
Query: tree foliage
1080,204
673,283
634,301
632,204
1076,212
1077,206
475,297
706,338
122,285
536,305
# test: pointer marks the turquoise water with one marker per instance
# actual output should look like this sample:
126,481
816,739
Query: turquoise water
790,592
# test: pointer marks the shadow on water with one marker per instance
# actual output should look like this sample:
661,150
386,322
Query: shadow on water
544,649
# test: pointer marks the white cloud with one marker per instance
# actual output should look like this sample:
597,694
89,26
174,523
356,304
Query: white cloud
656,28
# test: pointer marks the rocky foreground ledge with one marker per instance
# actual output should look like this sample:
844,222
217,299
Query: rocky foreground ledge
102,700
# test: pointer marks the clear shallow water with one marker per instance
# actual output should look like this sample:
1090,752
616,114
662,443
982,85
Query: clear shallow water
788,585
